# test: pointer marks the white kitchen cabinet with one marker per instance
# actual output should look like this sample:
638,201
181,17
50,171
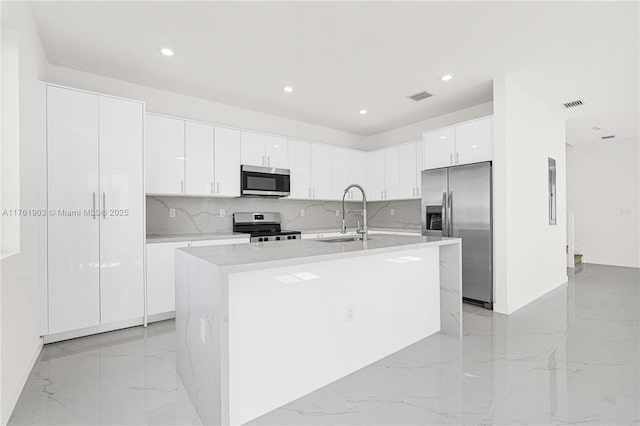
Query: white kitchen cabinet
465,143
474,141
419,167
161,277
300,167
199,159
258,149
357,173
410,169
375,174
122,204
392,173
227,162
73,272
161,272
439,148
320,171
95,185
276,151
164,155
339,172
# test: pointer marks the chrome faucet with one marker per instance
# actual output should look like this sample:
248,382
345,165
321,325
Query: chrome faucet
364,230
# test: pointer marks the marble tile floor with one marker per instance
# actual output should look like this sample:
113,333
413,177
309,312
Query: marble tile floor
571,357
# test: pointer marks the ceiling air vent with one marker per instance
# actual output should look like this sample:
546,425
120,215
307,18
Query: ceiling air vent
573,104
420,96
607,137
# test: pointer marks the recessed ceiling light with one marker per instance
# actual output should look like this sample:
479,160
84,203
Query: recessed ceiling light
363,111
288,89
446,77
166,51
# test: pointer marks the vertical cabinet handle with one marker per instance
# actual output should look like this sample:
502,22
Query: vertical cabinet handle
451,158
93,211
217,187
268,160
385,194
264,163
456,158
211,190
309,192
181,185
104,205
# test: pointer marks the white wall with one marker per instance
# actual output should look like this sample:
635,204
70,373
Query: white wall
170,103
413,132
20,286
530,258
603,190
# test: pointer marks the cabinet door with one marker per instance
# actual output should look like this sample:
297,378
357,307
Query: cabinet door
357,173
227,162
300,166
164,154
252,149
199,150
73,261
419,167
122,204
439,148
375,172
339,172
321,171
391,173
276,152
407,171
474,141
161,276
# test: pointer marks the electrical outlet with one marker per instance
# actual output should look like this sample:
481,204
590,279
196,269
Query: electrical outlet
223,213
392,212
349,313
337,213
302,212
172,212
203,329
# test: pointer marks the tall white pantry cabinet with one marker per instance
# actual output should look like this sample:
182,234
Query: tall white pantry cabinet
95,239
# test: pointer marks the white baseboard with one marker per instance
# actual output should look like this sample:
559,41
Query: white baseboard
15,395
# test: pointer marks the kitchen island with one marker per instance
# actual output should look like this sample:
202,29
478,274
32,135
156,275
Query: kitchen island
259,325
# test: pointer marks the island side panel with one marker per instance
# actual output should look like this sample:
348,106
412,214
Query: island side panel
200,341
451,289
295,329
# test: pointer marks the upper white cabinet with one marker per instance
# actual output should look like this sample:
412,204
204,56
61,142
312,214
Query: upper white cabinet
227,162
474,141
199,147
95,173
465,143
340,178
320,171
357,173
258,149
300,167
164,155
392,173
407,160
375,175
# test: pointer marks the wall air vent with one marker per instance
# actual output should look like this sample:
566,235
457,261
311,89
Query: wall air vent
420,96
574,104
607,137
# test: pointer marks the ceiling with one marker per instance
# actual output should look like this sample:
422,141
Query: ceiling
341,57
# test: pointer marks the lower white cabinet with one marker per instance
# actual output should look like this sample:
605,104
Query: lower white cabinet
161,272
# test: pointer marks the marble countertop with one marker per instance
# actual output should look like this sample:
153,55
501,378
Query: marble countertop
255,256
222,235
174,238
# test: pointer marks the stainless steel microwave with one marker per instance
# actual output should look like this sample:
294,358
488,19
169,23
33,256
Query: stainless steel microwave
259,181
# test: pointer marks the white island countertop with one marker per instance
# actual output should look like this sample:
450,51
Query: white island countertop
253,256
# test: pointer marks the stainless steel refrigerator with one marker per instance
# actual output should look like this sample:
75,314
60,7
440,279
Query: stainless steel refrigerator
456,202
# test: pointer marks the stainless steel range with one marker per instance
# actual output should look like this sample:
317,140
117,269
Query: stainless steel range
262,227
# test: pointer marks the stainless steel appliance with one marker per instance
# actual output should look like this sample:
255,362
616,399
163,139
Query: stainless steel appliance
262,227
457,202
258,181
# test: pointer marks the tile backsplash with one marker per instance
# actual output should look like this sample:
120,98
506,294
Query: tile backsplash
202,214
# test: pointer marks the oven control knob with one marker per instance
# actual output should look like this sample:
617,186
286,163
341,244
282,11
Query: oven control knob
293,237
266,239
259,239
288,237
277,238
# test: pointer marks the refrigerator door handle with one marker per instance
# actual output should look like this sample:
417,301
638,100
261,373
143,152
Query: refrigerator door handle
450,213
444,214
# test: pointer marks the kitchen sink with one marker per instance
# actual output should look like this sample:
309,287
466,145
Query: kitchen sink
342,239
